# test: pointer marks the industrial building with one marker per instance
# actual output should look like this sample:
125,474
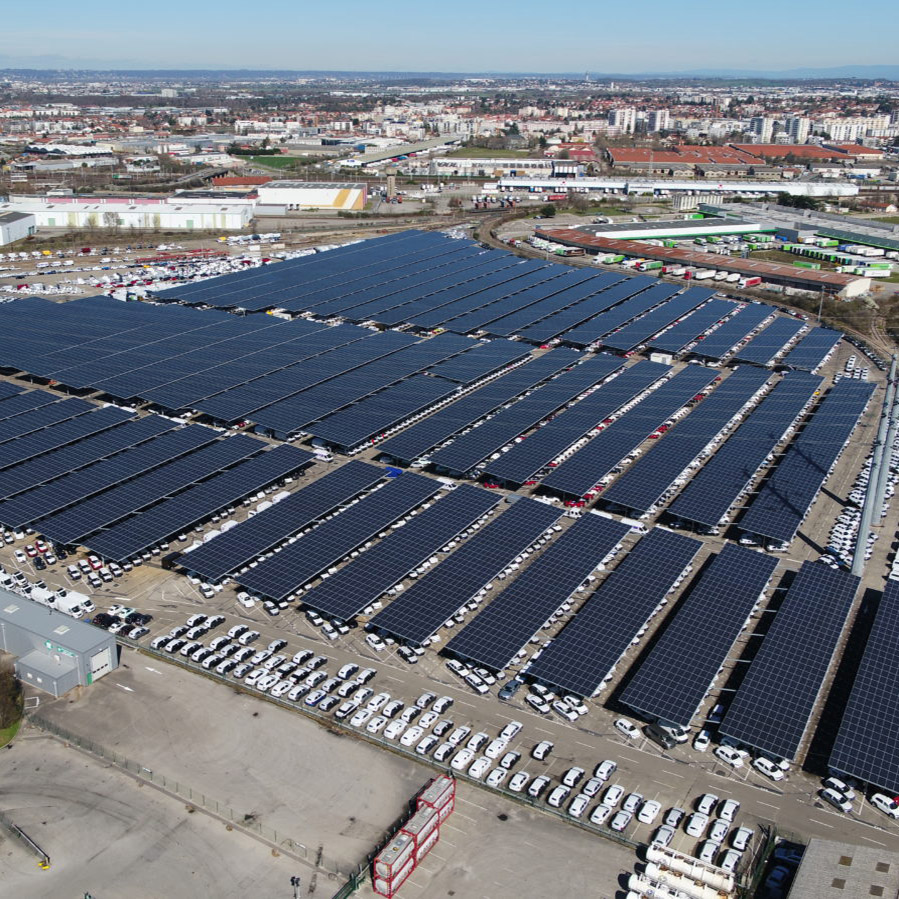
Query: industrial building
400,151
677,229
53,651
314,195
16,226
831,869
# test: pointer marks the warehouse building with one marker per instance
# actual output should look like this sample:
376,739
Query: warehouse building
16,226
53,651
314,195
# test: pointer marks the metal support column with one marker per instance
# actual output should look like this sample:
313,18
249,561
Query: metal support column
881,486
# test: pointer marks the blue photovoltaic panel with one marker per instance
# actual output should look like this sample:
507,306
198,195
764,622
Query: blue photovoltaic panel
542,446
763,348
42,417
8,390
772,706
497,634
314,553
723,339
78,485
252,537
678,337
811,351
589,647
717,486
646,481
419,611
672,681
866,746
373,415
480,361
639,331
347,592
24,402
785,498
197,503
72,525
422,437
588,466
467,451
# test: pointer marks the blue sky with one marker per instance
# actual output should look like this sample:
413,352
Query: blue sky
459,35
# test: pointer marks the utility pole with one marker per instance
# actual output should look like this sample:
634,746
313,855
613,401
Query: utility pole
864,527
881,485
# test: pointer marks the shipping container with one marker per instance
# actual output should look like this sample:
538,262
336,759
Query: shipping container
811,265
438,792
421,824
394,855
648,266
749,282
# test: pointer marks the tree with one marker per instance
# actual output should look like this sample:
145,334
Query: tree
112,220
797,202
564,154
548,211
11,698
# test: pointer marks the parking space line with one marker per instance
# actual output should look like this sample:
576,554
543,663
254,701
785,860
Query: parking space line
762,802
822,823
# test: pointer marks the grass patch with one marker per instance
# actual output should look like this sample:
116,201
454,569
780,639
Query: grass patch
277,162
889,219
8,733
485,153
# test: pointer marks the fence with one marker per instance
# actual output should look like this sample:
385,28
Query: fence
19,834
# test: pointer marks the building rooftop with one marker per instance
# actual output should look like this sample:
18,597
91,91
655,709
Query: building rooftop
832,870
50,624
313,185
7,218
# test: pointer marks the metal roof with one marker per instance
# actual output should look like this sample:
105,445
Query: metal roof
50,624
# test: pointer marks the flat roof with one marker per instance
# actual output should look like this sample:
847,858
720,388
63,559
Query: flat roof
43,663
50,624
750,267
835,870
7,218
405,149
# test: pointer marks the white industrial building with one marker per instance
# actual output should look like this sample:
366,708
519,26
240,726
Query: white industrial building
313,195
173,214
16,226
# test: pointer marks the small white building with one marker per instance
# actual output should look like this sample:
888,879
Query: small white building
16,226
313,194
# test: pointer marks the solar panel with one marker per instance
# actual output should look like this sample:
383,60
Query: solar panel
707,499
866,745
678,337
647,480
69,458
8,390
810,353
72,525
673,679
579,474
639,331
419,611
483,360
24,402
765,347
197,503
422,437
584,654
78,485
525,459
772,706
374,415
785,499
43,416
313,554
724,338
464,453
347,592
252,537
498,633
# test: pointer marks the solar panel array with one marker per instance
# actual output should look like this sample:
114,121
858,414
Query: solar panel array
651,294
196,503
866,745
638,332
545,444
672,680
254,536
467,451
423,436
315,552
419,611
724,338
580,658
717,486
643,484
348,591
498,633
764,347
772,706
42,417
812,349
678,337
77,486
483,360
8,390
74,524
588,466
786,497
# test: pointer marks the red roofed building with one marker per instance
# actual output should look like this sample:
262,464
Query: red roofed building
684,158
807,152
579,152
857,151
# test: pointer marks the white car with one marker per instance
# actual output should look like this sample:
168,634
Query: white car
731,756
511,730
479,767
394,729
837,800
427,744
458,735
496,748
768,768
718,830
378,701
361,717
623,726
412,735
476,741
621,820
462,759
519,781
496,777
605,769
696,824
600,814
538,785
708,851
613,795
649,811
728,809
741,838
377,724
663,835
578,805
729,860
885,804
558,796
706,803
702,740
542,750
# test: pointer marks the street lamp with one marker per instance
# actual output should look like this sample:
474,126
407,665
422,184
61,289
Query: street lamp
295,883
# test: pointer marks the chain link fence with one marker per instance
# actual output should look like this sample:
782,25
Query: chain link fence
17,833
